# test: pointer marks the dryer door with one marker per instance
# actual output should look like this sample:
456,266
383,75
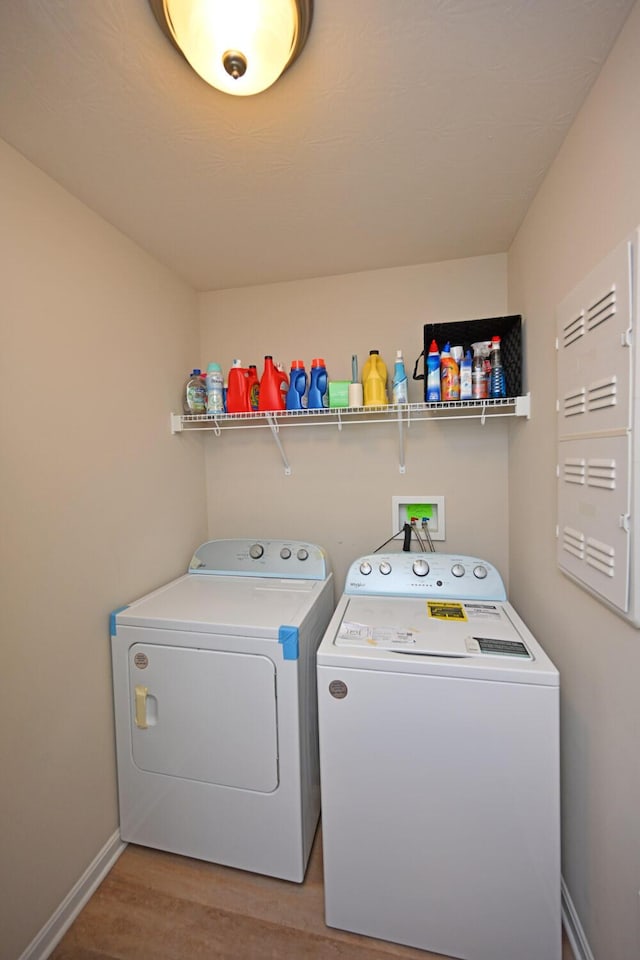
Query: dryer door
204,715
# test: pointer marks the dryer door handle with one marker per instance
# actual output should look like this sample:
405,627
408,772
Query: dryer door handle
141,706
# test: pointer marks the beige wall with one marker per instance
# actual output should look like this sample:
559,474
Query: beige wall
99,504
589,202
340,490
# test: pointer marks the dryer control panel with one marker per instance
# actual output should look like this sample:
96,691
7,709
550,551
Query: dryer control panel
435,575
285,559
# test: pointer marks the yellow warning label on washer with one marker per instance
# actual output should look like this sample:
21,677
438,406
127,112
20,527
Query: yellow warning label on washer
446,610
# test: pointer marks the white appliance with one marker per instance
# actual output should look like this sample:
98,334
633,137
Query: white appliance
215,706
439,763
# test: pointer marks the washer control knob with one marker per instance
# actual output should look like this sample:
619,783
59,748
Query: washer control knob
256,551
480,571
457,570
385,568
420,568
285,553
302,554
365,568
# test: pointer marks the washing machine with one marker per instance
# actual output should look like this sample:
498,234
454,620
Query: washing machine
439,763
215,706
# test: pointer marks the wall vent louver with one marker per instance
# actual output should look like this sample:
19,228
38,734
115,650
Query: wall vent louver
603,309
574,470
573,542
574,403
601,556
602,394
601,473
573,330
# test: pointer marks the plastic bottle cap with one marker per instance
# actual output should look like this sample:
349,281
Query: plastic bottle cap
214,367
317,362
398,354
374,351
434,347
297,364
195,372
495,339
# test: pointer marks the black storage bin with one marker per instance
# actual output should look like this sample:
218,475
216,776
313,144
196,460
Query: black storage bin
466,332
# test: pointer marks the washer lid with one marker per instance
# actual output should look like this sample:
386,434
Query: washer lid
472,637
232,605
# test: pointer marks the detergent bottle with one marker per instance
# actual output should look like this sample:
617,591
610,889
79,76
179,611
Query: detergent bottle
215,388
238,389
381,368
195,394
374,381
273,386
253,386
318,386
433,374
449,376
296,399
497,390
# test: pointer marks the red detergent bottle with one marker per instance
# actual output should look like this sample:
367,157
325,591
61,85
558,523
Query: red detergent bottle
238,389
253,386
273,387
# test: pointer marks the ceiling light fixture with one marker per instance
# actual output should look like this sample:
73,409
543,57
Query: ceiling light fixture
238,46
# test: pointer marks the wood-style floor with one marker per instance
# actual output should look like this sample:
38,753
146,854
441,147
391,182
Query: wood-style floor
159,906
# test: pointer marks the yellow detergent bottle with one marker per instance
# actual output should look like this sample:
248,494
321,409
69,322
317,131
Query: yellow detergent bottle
374,381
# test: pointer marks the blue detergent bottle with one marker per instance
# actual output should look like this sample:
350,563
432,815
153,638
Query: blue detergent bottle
296,399
318,386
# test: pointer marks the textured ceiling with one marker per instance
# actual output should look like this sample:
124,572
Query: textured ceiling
408,131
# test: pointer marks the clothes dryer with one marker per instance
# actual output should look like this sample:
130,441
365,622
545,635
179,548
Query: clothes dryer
215,706
439,761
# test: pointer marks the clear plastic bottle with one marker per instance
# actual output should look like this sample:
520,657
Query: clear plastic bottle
195,394
497,390
215,389
400,388
479,387
466,382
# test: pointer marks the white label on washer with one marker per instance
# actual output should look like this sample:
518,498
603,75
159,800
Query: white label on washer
353,632
485,611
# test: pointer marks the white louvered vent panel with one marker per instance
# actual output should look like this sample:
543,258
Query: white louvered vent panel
602,393
598,404
602,310
575,470
573,542
574,403
601,473
573,330
601,556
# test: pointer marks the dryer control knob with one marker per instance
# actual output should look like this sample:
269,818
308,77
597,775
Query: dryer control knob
256,551
365,568
302,554
480,572
285,553
457,570
385,568
421,568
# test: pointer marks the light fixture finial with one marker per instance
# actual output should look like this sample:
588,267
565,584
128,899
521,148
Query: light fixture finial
238,46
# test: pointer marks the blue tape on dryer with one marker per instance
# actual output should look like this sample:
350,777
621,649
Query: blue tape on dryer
289,637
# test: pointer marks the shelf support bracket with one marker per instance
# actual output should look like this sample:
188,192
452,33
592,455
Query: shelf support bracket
401,465
176,423
275,430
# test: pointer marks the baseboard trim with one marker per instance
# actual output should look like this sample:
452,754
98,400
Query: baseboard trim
573,928
60,921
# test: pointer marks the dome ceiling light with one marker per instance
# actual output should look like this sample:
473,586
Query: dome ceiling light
238,46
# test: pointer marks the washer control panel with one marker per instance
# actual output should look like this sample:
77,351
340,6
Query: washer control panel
435,575
285,559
